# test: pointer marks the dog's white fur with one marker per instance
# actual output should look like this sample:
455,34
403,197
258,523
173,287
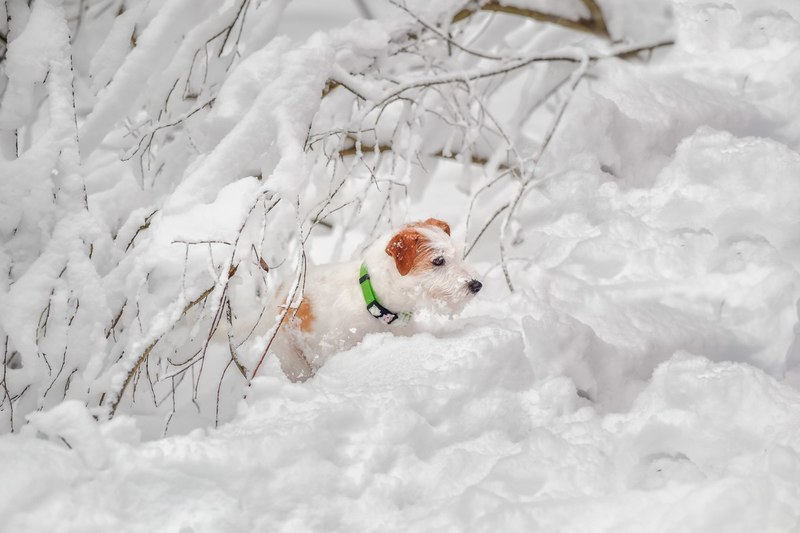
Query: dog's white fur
332,315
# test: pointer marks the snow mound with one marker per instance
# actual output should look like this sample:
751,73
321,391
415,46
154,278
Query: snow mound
453,433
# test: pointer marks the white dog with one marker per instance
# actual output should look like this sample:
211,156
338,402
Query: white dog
415,267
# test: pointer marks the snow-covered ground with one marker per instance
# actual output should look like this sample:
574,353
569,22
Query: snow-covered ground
643,376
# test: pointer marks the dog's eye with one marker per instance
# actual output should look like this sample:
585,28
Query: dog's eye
438,261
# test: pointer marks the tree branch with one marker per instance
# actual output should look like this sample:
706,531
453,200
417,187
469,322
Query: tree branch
371,149
594,25
516,64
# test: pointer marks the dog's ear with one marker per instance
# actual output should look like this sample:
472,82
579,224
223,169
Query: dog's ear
403,248
439,224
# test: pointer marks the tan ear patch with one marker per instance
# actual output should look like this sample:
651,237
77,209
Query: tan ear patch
444,226
404,248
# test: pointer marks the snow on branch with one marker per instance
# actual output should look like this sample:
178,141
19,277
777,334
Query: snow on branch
160,191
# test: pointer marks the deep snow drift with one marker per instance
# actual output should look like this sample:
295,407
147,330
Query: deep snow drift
642,376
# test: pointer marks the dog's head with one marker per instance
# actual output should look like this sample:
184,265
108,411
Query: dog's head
430,266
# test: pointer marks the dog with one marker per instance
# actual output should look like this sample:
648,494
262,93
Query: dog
416,267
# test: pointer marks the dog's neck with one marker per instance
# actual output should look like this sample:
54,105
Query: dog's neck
375,308
395,292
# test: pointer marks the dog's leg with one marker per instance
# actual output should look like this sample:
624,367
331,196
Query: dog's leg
289,351
302,369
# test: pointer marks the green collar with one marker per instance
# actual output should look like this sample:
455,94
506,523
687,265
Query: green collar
373,306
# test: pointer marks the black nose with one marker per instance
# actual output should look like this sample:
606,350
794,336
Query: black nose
475,286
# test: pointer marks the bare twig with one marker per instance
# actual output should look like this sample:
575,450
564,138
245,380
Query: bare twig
4,383
577,76
131,373
144,226
594,25
364,9
597,18
150,135
381,148
293,292
146,353
445,37
485,227
239,13
573,56
116,319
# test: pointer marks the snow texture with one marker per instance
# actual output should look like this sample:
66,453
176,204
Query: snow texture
642,377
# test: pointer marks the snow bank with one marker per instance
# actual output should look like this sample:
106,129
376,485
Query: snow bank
451,432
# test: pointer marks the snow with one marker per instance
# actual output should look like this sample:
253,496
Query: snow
643,376
450,432
155,46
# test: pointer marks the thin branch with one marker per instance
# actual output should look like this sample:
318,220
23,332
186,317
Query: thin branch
141,359
116,319
485,227
594,25
597,17
332,84
444,36
144,226
151,134
296,287
219,390
577,76
472,201
480,73
4,383
209,241
381,148
241,9
364,9
146,353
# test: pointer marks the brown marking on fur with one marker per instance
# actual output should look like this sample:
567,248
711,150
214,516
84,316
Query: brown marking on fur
403,248
305,315
410,251
435,222
424,257
444,226
409,247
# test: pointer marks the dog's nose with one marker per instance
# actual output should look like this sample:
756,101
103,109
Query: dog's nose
475,286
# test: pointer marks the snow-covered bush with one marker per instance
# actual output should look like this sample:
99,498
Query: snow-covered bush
162,162
166,165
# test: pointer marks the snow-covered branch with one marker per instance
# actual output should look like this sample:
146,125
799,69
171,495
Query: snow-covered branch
170,163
